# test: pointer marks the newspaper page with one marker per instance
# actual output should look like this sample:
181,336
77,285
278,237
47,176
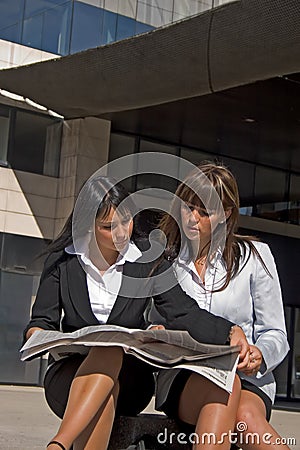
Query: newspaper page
161,348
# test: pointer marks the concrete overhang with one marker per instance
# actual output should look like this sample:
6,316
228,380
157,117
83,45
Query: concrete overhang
233,45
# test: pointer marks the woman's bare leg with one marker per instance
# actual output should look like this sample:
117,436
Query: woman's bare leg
90,390
97,434
211,409
259,434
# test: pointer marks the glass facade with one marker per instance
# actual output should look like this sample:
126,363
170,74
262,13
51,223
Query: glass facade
265,192
69,26
259,197
19,277
28,141
63,27
4,130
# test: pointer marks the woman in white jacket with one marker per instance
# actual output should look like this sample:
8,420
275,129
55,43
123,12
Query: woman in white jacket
231,276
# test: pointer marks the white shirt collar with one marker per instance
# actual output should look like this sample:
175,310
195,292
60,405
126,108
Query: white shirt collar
184,256
130,253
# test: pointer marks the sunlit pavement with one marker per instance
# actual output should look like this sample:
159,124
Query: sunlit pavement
27,423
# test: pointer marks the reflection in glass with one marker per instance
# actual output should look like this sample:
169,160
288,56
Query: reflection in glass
125,27
109,27
56,29
32,31
86,27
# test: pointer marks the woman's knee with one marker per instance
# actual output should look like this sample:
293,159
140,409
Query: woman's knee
248,417
103,360
106,354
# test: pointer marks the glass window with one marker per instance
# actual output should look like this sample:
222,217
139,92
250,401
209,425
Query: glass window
270,185
16,294
28,146
296,361
32,32
56,29
86,27
295,188
21,254
193,156
4,132
142,28
12,33
150,180
109,27
125,27
244,175
281,371
52,149
294,204
33,7
11,12
121,145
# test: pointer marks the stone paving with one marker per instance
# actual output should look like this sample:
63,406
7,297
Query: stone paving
27,423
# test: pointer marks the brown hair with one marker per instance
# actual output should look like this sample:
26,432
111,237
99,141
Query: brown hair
211,186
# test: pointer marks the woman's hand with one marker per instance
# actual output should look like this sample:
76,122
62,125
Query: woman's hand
156,327
254,363
31,331
237,337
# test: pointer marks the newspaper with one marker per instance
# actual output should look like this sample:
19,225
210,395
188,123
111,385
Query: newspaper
161,348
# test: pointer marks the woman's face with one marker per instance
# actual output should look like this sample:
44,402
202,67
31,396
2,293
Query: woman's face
197,222
114,231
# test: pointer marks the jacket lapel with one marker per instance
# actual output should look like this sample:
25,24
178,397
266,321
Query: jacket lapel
79,292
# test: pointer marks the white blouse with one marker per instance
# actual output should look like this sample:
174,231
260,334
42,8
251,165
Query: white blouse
103,289
252,300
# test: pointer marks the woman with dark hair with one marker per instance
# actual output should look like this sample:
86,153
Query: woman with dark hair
95,274
232,276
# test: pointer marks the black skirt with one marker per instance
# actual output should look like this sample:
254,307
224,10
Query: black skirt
170,406
135,378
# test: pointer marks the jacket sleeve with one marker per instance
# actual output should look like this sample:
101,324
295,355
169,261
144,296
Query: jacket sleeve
269,323
181,312
46,310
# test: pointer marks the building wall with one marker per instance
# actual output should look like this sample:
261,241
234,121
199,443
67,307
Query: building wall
34,206
157,12
56,27
13,55
33,209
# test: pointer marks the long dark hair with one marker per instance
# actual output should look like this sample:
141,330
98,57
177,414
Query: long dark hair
98,195
236,248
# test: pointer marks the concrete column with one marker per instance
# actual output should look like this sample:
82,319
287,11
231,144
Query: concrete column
85,148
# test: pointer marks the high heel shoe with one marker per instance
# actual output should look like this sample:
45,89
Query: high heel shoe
57,443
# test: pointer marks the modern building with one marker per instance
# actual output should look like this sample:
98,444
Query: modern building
196,79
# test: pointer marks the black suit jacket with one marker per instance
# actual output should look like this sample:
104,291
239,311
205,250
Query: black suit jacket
62,300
